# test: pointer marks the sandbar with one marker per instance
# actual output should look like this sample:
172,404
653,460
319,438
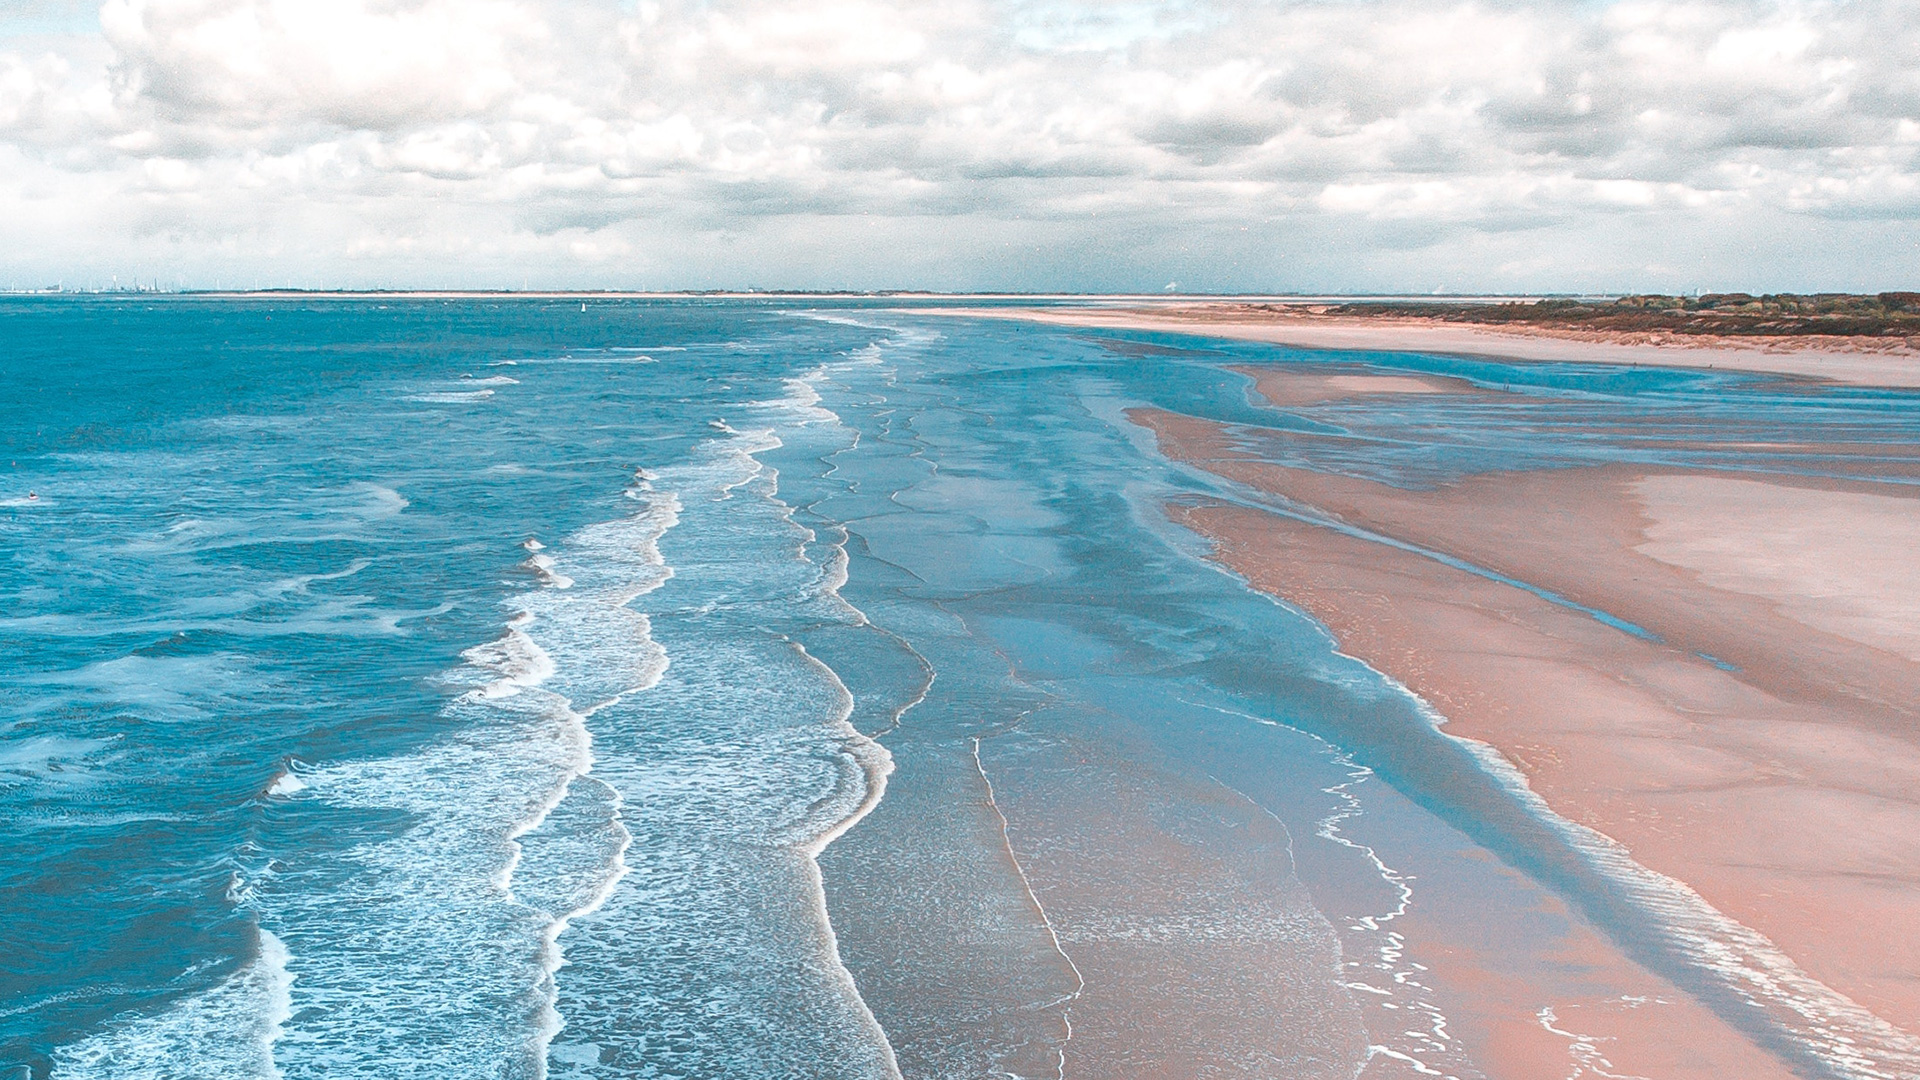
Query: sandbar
1290,388
1856,361
1763,750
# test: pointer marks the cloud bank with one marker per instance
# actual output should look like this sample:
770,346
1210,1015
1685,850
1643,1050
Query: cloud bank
1106,144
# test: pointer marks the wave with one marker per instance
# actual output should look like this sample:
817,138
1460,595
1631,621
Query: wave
837,320
601,840
415,937
451,397
450,926
864,766
351,617
543,567
286,782
381,501
862,763
455,921
228,1031
512,659
164,688
735,774
629,356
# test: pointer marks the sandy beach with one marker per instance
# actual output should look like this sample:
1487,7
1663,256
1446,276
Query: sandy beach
1855,361
1757,744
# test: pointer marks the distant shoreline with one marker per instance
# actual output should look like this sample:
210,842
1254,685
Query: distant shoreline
1892,362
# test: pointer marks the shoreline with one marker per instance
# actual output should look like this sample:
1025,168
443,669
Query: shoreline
1875,362
1775,783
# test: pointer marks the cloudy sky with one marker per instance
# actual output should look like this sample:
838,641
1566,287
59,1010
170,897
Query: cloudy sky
1344,145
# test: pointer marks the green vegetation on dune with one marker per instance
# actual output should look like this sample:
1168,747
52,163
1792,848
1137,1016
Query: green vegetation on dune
1887,314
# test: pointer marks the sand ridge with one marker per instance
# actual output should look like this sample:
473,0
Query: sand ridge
1782,791
1296,388
1856,361
1839,561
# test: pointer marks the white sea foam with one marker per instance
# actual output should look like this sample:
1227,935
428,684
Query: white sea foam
299,582
286,783
802,395
381,501
837,320
451,397
491,380
419,939
543,567
618,357
459,921
511,838
863,762
577,895
1584,1051
736,772
452,925
514,661
612,654
36,752
164,688
227,1032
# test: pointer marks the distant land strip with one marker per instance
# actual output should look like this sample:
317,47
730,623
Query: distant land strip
1887,314
1846,338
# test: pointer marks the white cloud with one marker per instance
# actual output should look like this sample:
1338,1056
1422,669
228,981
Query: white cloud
245,64
697,142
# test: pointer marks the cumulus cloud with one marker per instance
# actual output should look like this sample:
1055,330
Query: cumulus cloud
1339,143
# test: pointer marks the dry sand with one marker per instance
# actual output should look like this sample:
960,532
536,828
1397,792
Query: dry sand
1859,361
1787,793
1845,562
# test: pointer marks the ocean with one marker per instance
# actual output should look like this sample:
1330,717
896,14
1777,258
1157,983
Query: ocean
785,687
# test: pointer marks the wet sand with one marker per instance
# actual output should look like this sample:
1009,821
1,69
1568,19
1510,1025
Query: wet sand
1200,955
1586,1010
1892,362
1288,388
1783,792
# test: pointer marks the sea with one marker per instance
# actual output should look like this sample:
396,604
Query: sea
784,687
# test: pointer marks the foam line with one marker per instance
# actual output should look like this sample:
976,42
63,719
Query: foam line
228,1031
1848,1039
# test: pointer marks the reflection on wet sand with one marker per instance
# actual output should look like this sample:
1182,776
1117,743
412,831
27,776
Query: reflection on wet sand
1758,748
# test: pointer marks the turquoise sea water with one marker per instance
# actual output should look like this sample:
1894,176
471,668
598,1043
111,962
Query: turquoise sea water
507,688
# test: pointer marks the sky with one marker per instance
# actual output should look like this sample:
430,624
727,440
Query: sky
1103,145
